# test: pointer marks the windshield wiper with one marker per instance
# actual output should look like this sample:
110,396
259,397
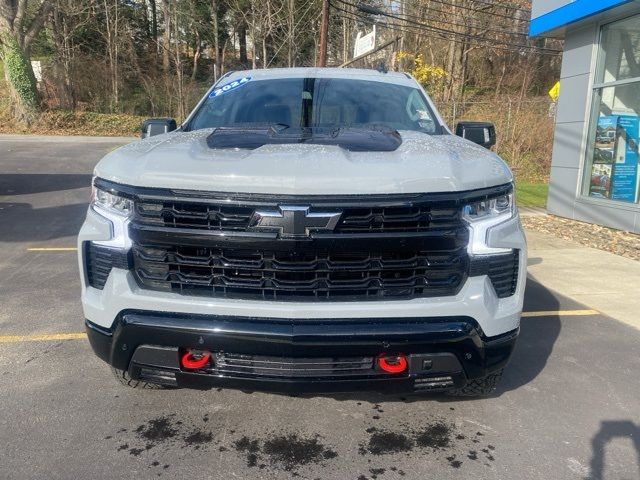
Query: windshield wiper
244,127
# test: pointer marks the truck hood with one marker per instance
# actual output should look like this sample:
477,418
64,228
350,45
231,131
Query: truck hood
423,163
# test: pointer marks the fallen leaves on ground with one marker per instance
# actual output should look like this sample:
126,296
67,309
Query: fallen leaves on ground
611,240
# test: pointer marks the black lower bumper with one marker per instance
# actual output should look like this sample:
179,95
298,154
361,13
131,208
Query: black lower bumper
443,352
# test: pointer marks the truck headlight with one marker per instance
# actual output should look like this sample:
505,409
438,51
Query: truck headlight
490,208
482,215
118,210
111,203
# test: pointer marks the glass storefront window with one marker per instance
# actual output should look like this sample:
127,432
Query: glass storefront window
612,159
620,52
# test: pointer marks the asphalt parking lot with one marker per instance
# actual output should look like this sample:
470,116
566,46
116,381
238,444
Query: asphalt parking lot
568,406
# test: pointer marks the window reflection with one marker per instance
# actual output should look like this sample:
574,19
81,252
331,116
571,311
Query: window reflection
612,161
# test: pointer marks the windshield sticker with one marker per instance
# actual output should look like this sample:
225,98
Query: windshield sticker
229,86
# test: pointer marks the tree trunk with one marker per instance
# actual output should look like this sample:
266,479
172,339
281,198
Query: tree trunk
20,79
196,55
291,37
217,68
153,45
61,36
166,43
178,59
242,40
16,36
154,20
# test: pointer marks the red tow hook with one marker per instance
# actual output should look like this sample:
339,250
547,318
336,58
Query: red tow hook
195,359
392,363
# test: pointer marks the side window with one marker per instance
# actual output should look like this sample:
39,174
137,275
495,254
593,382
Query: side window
419,112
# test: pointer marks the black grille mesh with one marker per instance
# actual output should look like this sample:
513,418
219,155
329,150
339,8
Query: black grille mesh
266,366
207,216
100,260
299,275
501,269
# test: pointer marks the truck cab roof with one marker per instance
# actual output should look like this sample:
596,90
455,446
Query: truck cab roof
397,78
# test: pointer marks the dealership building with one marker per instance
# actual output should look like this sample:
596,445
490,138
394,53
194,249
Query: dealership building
595,174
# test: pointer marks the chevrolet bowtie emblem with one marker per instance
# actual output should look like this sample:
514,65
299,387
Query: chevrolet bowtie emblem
293,221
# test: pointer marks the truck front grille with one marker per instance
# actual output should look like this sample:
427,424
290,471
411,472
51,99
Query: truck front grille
299,275
382,247
354,219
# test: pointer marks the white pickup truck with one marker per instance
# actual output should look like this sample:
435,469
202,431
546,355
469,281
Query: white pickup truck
305,230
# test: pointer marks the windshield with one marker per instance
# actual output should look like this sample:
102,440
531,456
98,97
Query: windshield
315,103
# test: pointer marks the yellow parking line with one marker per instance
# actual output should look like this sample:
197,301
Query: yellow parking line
41,338
561,313
52,249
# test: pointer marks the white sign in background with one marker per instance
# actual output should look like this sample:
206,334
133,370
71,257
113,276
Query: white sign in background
365,43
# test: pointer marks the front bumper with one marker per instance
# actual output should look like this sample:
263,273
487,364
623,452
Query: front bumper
443,352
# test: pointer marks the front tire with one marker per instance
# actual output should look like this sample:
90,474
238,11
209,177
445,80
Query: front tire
125,379
478,387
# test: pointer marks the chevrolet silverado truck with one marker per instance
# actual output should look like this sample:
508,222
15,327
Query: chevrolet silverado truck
305,230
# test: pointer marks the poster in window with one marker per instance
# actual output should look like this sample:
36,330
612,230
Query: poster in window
624,177
603,157
614,172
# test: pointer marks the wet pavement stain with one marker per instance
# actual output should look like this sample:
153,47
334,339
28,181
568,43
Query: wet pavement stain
376,471
165,432
197,438
136,451
453,462
287,452
384,442
396,469
290,451
250,447
157,430
435,436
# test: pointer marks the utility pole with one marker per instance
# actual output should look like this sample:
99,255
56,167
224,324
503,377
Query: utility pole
324,34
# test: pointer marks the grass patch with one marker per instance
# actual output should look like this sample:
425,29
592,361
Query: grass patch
532,194
64,122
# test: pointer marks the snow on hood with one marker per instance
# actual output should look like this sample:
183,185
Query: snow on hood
423,163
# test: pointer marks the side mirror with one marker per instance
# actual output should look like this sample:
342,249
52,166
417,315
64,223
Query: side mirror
482,133
157,126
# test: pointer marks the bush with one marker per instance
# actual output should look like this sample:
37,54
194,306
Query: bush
524,129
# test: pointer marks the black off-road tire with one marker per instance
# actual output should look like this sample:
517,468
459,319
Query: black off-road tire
478,387
125,379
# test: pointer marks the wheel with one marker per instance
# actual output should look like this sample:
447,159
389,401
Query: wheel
478,387
125,379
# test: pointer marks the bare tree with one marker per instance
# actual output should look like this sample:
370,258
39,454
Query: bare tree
17,33
217,68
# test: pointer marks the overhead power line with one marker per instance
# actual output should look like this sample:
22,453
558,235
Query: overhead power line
479,10
470,38
503,31
509,6
497,27
451,35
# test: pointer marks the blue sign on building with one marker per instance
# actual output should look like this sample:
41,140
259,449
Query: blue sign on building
552,14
